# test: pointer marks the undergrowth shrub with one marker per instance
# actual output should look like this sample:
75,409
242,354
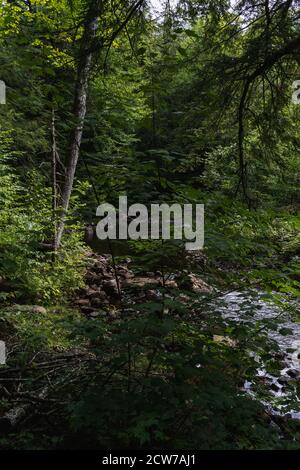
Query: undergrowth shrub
30,271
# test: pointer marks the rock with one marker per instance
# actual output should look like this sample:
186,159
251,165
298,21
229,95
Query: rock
87,310
196,284
107,276
283,380
275,387
171,284
39,309
99,264
82,302
184,298
293,373
110,283
99,270
110,287
94,314
96,302
102,295
94,287
92,277
127,275
98,314
92,292
121,268
279,356
140,282
151,295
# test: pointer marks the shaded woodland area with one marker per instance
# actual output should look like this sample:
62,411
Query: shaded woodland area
141,343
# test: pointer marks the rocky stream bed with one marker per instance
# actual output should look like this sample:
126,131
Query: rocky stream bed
104,288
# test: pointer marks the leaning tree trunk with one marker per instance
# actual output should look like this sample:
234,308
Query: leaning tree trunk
79,112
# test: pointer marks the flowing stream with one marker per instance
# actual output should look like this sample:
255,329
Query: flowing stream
251,306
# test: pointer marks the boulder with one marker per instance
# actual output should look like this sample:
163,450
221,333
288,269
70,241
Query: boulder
110,287
194,283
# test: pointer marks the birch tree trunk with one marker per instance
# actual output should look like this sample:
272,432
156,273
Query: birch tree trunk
54,183
79,112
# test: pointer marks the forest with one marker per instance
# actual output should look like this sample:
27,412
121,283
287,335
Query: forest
138,342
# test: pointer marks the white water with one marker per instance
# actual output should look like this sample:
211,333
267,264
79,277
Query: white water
249,307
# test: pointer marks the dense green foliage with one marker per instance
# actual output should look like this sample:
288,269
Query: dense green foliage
192,107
